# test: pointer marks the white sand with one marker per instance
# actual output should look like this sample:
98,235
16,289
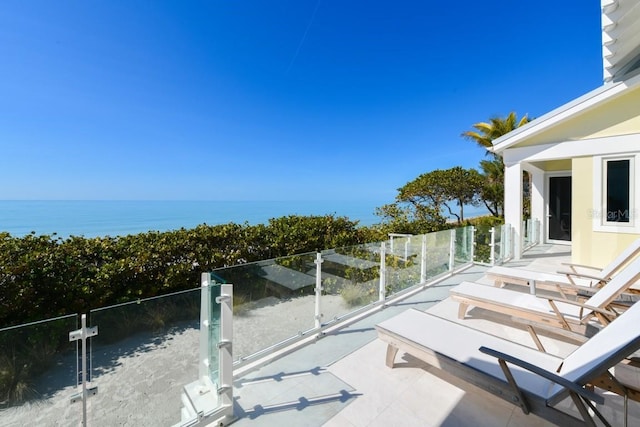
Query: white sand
140,379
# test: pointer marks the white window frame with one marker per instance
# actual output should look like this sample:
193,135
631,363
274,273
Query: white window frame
599,211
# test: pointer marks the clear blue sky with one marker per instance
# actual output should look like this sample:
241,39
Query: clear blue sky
271,100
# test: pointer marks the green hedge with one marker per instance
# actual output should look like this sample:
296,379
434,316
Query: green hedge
46,276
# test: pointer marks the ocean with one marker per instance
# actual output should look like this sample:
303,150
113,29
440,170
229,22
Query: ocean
119,218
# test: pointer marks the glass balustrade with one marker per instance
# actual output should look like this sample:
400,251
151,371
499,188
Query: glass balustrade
146,358
438,256
145,352
499,243
403,263
274,300
39,374
350,280
526,233
463,246
482,252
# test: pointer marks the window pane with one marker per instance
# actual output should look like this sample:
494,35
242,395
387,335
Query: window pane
618,191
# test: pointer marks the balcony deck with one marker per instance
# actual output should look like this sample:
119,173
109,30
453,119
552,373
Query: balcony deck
341,379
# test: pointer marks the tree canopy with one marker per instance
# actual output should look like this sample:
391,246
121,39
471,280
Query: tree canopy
421,203
446,188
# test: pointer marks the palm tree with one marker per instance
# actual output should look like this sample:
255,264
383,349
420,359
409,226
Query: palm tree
484,134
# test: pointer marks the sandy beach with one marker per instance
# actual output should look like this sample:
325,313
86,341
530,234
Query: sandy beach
140,379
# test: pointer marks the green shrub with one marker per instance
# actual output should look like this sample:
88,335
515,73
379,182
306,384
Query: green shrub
47,276
354,295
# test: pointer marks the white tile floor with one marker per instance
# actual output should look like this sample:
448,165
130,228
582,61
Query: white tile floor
412,393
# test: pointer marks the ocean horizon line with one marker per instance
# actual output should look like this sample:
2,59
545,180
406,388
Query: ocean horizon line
96,218
93,218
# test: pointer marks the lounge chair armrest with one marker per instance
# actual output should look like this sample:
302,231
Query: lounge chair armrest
545,374
585,306
568,286
580,275
570,264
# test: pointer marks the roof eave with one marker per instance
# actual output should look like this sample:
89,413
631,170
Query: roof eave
604,93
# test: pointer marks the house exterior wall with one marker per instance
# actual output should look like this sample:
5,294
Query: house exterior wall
581,144
591,247
621,118
581,209
617,117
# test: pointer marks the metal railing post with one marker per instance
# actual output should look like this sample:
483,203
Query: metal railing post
205,322
472,249
209,399
318,317
504,245
452,249
492,256
383,272
81,335
225,347
406,249
423,259
511,239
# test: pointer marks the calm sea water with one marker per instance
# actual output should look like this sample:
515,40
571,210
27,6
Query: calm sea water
118,218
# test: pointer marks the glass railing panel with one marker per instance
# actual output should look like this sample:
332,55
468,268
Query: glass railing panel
499,241
144,354
463,246
39,374
350,279
403,267
400,246
274,300
507,236
482,251
438,253
526,233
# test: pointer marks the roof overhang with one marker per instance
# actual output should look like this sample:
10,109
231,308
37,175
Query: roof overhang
599,96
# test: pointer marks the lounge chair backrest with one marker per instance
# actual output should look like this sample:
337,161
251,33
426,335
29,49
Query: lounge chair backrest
620,283
630,252
606,348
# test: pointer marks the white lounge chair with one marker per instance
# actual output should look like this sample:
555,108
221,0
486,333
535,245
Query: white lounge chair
559,313
531,379
570,281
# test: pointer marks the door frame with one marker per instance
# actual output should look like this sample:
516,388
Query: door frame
547,179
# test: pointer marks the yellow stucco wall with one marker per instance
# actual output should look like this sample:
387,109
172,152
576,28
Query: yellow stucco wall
617,116
587,246
620,116
554,165
581,205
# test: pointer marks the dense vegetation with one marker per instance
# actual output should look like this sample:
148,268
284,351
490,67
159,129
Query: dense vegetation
46,276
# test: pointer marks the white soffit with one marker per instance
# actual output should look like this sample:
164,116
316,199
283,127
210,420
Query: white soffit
620,35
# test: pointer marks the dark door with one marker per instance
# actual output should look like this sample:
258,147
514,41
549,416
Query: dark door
560,208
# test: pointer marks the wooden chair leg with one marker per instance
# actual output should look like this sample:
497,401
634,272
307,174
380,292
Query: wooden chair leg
391,355
462,310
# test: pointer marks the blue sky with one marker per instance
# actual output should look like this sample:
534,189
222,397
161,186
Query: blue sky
271,100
